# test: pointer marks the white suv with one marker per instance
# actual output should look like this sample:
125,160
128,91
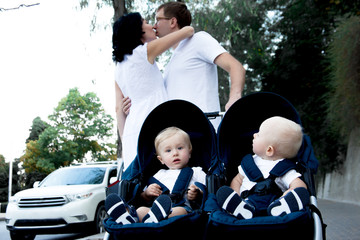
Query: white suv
69,200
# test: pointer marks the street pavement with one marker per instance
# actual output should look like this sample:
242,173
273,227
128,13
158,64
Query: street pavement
342,220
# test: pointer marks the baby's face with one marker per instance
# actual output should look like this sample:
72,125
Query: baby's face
174,152
261,140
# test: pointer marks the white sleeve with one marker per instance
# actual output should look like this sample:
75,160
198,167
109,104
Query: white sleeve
288,178
208,47
198,176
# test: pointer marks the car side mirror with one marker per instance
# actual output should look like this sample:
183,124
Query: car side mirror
112,180
36,184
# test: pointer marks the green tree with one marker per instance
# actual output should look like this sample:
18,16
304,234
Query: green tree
38,126
78,126
344,96
4,178
83,126
240,26
299,69
120,8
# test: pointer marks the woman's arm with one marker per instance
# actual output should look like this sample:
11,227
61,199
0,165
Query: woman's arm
120,115
160,45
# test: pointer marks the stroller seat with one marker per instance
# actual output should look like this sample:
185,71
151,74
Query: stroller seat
234,139
192,120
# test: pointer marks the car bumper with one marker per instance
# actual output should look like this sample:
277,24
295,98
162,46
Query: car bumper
65,218
51,229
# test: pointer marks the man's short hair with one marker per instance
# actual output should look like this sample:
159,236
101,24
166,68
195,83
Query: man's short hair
177,10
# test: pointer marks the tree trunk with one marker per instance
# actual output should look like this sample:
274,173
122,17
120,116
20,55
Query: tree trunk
119,8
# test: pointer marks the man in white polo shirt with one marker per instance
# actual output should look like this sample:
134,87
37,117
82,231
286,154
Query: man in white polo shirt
191,73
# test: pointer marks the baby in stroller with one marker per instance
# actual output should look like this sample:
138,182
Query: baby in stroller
267,182
165,190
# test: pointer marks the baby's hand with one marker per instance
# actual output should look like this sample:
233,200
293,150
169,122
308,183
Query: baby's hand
153,190
193,192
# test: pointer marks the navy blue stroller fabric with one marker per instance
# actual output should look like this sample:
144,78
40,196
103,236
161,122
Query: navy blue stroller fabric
235,136
191,119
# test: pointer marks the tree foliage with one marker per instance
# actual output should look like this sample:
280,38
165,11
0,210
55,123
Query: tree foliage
4,178
344,58
240,26
38,126
78,127
299,70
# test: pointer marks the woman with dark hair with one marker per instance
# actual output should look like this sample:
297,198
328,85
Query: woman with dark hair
137,76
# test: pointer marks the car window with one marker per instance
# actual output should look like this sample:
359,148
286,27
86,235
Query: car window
74,176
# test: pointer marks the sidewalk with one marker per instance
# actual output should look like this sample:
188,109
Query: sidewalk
342,219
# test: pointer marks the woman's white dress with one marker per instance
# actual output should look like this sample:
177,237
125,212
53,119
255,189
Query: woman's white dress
143,83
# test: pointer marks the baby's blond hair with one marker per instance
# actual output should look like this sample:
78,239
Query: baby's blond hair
285,135
169,132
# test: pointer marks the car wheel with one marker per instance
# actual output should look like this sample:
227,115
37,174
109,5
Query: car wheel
100,216
21,236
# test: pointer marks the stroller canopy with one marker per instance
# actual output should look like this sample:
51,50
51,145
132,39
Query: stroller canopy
243,119
181,114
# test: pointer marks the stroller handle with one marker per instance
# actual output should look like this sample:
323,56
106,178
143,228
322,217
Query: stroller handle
213,115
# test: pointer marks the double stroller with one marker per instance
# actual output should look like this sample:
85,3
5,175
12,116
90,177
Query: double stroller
219,156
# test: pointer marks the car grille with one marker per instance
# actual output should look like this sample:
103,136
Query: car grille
42,202
40,222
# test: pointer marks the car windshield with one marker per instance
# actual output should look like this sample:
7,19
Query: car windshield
74,176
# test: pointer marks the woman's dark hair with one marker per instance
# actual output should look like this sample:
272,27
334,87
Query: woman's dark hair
127,33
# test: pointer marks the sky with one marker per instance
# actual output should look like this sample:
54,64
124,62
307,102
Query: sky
45,50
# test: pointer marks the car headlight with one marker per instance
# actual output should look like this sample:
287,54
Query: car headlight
80,196
13,200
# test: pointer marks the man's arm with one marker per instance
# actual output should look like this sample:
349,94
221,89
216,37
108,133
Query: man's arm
237,76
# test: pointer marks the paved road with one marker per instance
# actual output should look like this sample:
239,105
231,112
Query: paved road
342,219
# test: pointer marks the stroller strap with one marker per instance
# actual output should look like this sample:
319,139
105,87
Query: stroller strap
254,173
250,169
264,186
180,187
282,168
